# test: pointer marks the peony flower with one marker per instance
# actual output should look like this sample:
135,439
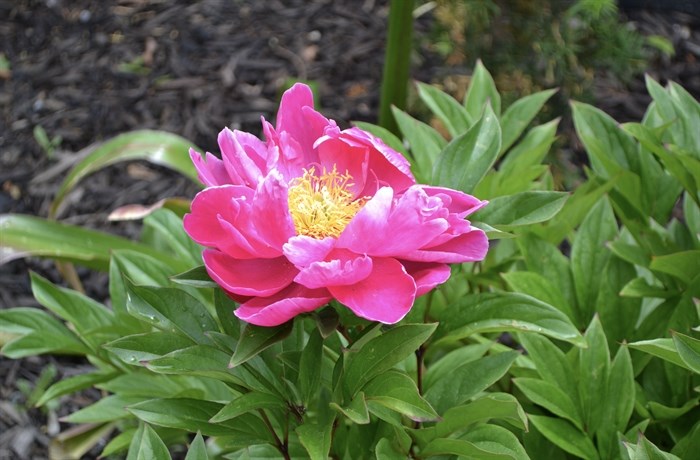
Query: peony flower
316,213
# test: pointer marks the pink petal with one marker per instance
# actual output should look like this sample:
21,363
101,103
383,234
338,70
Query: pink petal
210,172
303,250
457,202
241,156
297,117
368,223
386,295
250,277
270,212
283,306
343,268
427,275
468,247
347,160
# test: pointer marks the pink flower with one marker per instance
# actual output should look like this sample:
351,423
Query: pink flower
315,213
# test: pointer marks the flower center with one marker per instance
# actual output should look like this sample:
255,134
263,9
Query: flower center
322,205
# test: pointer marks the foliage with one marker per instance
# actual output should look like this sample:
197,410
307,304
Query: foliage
493,364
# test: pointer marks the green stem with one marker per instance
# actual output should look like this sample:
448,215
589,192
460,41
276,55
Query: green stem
397,60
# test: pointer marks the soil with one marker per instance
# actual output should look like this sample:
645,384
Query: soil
87,70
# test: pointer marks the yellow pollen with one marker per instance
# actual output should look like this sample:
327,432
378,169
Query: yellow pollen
322,205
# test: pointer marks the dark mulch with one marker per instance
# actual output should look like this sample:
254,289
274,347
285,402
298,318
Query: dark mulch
87,70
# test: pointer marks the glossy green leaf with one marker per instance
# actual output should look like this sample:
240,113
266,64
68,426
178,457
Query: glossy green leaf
316,439
38,333
455,118
522,208
74,384
551,397
246,403
194,414
539,287
461,448
551,363
661,348
447,363
383,352
24,236
593,372
531,150
147,445
107,409
499,312
482,91
310,366
197,450
667,413
468,380
546,259
255,339
89,318
168,227
565,435
519,115
589,256
498,406
159,147
426,143
683,265
497,440
197,277
689,350
646,450
397,391
467,159
356,411
171,309
639,287
134,349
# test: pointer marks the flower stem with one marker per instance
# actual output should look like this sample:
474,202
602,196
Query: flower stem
282,447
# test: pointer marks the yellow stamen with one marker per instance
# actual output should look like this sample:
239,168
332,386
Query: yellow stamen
322,205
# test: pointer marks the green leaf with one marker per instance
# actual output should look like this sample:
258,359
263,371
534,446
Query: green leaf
482,91
426,143
255,339
134,349
197,450
496,440
146,445
531,150
545,258
461,448
621,390
646,450
74,384
519,115
159,147
522,208
666,413
88,316
661,348
107,409
310,367
397,391
447,363
80,440
593,372
688,350
316,438
197,277
169,228
383,352
589,256
171,309
565,435
246,403
468,380
638,287
551,363
24,236
683,265
194,414
467,159
500,406
38,333
356,411
499,312
456,119
539,287
551,397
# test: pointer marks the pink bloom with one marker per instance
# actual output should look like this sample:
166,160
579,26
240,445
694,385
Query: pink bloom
315,213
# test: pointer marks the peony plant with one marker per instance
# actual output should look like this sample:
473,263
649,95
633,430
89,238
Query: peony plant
317,213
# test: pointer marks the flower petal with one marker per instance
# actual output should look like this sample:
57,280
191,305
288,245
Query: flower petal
342,269
457,202
252,277
427,275
386,295
211,172
283,306
241,153
302,250
368,223
297,117
468,247
270,212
